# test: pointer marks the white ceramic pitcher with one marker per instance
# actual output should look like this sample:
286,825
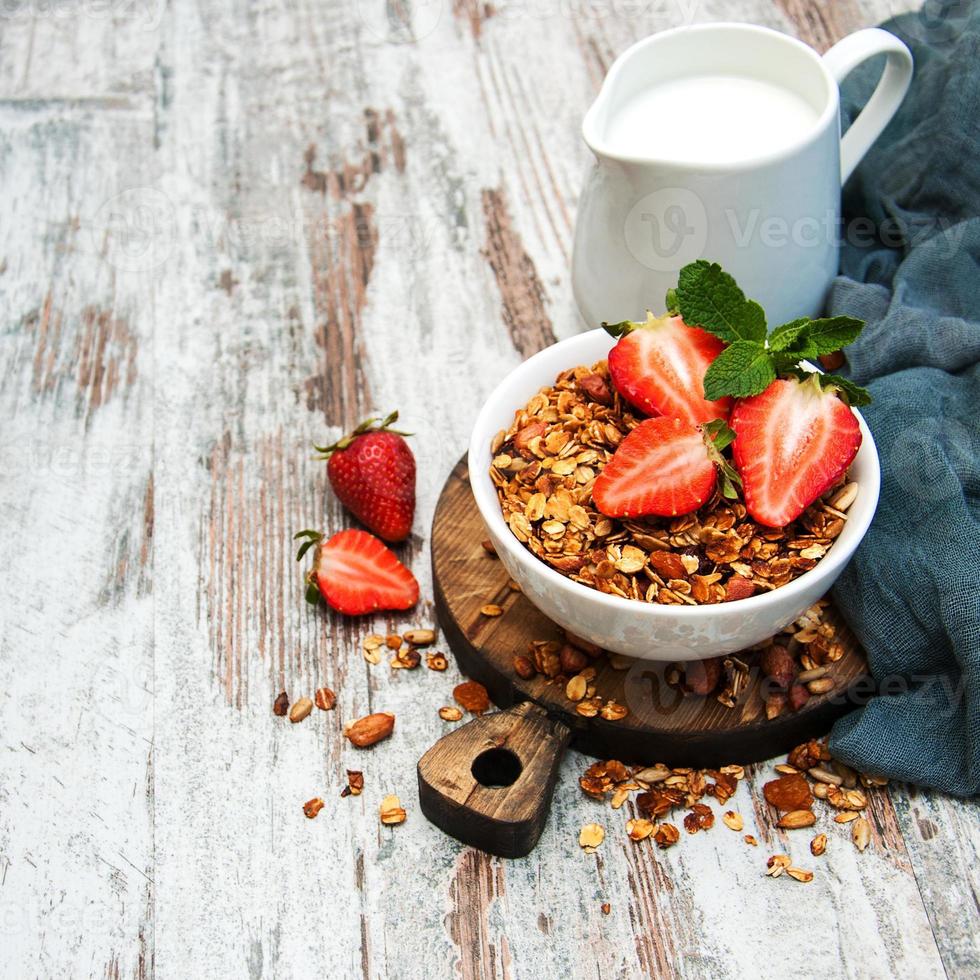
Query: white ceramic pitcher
770,220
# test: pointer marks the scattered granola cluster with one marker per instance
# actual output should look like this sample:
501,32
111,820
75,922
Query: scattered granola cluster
809,774
573,666
365,732
405,648
796,664
544,468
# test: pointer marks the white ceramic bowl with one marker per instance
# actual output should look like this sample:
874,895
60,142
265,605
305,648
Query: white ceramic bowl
640,629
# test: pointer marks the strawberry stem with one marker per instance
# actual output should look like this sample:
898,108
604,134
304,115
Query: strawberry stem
620,329
717,437
312,538
312,594
368,425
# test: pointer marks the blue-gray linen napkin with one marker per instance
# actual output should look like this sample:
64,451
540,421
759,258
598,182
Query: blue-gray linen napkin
910,266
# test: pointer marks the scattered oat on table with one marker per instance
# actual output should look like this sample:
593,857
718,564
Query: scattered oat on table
391,811
799,874
419,637
733,820
590,837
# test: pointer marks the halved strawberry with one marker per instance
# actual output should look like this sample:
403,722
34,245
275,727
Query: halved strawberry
792,442
356,574
658,367
664,467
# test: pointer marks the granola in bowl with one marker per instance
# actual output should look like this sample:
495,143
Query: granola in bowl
544,469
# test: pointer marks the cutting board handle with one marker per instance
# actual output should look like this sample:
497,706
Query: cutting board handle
489,783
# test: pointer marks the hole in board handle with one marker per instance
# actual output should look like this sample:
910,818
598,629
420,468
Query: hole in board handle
496,768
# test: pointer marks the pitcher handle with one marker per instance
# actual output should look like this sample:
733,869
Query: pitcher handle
843,58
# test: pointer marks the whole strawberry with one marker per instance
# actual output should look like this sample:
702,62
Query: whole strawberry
372,471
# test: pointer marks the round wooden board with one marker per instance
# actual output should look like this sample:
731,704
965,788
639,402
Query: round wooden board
663,725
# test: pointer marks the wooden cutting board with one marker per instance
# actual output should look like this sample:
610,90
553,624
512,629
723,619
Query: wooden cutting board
501,802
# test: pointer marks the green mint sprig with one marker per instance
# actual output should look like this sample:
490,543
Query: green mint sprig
709,297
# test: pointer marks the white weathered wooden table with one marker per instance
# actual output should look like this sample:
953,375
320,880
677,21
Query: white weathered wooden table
229,230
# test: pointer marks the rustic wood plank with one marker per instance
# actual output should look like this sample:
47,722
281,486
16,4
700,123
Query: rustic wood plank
77,498
351,211
940,835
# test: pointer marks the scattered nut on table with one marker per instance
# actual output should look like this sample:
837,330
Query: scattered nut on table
312,807
300,710
370,729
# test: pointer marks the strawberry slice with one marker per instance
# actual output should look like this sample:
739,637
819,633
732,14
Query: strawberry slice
792,442
658,367
664,467
356,574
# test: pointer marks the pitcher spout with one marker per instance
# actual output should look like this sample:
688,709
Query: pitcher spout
636,70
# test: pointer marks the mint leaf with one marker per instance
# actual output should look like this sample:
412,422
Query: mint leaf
708,297
853,394
810,338
670,301
834,333
787,362
743,368
790,335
